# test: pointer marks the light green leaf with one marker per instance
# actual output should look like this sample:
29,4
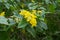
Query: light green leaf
58,0
47,1
11,21
16,14
3,20
7,5
32,6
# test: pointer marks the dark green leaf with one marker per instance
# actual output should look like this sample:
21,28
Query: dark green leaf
31,31
22,24
43,25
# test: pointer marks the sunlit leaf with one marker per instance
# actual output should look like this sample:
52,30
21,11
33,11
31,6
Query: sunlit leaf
3,20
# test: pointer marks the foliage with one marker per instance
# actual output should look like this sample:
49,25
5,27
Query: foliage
25,19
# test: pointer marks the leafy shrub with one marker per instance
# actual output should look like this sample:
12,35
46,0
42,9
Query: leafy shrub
25,19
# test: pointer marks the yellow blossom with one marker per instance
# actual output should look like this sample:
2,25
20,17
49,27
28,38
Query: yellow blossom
31,18
27,15
2,14
33,22
28,19
22,12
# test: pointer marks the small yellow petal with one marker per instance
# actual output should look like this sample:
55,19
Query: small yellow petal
33,22
2,14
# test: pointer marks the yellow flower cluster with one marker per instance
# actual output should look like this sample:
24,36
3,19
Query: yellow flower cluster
2,14
31,18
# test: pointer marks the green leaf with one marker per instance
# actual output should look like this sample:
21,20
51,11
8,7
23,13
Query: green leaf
0,0
42,8
47,1
39,28
3,20
51,8
18,0
43,14
4,36
22,24
16,14
4,27
32,6
48,38
58,0
43,25
31,31
11,21
7,5
4,0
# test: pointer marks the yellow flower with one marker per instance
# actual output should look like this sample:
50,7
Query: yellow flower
2,14
27,15
33,22
31,18
22,12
